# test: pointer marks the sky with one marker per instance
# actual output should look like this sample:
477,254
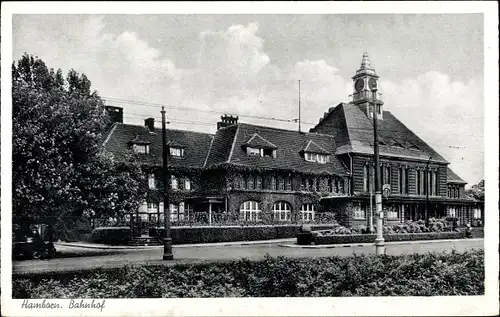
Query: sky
431,68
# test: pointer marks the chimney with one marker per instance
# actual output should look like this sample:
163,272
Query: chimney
226,121
150,124
115,114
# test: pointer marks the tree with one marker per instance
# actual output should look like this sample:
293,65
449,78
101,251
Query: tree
477,191
59,167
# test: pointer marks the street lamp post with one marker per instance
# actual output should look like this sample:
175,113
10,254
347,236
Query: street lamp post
379,241
167,240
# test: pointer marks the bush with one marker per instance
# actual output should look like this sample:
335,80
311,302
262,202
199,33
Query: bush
327,237
111,235
429,274
187,235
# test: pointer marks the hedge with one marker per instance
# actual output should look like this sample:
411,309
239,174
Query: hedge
428,274
209,234
111,235
369,238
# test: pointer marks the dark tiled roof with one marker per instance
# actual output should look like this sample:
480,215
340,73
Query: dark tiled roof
451,177
256,141
221,145
196,145
288,144
354,133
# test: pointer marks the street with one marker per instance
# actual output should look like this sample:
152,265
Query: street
201,253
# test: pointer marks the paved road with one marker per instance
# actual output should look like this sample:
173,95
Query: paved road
192,254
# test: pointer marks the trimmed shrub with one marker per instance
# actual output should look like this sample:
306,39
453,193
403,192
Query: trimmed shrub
111,235
429,274
368,238
188,235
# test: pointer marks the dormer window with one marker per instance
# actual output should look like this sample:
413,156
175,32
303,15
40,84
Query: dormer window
141,148
312,152
258,146
177,152
316,157
175,148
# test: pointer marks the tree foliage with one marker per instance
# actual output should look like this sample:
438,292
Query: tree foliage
59,166
477,191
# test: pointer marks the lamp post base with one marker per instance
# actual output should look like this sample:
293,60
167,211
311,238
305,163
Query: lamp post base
379,246
167,249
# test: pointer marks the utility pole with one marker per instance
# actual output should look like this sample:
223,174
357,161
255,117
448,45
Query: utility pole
379,241
299,105
371,206
427,187
167,240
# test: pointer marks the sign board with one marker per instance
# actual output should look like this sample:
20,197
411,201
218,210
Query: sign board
386,190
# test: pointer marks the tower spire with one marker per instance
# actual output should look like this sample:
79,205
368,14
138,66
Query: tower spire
365,67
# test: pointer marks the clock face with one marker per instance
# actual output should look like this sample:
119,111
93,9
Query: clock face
372,83
360,84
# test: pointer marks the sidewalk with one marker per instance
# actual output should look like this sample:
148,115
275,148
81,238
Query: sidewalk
199,245
331,246
288,243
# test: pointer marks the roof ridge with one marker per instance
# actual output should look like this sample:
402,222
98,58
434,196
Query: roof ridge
208,152
113,128
233,145
281,129
346,128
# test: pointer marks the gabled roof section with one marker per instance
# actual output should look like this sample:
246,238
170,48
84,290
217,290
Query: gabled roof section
312,147
174,143
453,178
196,145
140,139
353,132
222,145
287,145
258,142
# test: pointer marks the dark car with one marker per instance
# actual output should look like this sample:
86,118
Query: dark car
24,247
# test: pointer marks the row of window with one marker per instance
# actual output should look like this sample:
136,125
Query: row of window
391,212
144,149
249,211
175,182
282,211
453,191
403,180
308,156
334,185
456,211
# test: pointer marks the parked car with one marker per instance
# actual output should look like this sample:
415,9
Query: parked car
24,247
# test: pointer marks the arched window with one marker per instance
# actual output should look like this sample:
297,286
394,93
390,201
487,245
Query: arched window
282,211
250,211
307,212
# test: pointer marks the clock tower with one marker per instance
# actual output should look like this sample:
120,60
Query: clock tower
364,81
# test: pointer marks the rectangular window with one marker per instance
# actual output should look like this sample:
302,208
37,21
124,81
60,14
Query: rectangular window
477,213
274,182
152,181
400,180
435,186
173,182
419,182
341,186
253,151
366,178
141,148
187,184
359,211
316,181
387,175
176,151
406,178
267,153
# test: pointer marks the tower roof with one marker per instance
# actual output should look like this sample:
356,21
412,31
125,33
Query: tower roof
365,67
